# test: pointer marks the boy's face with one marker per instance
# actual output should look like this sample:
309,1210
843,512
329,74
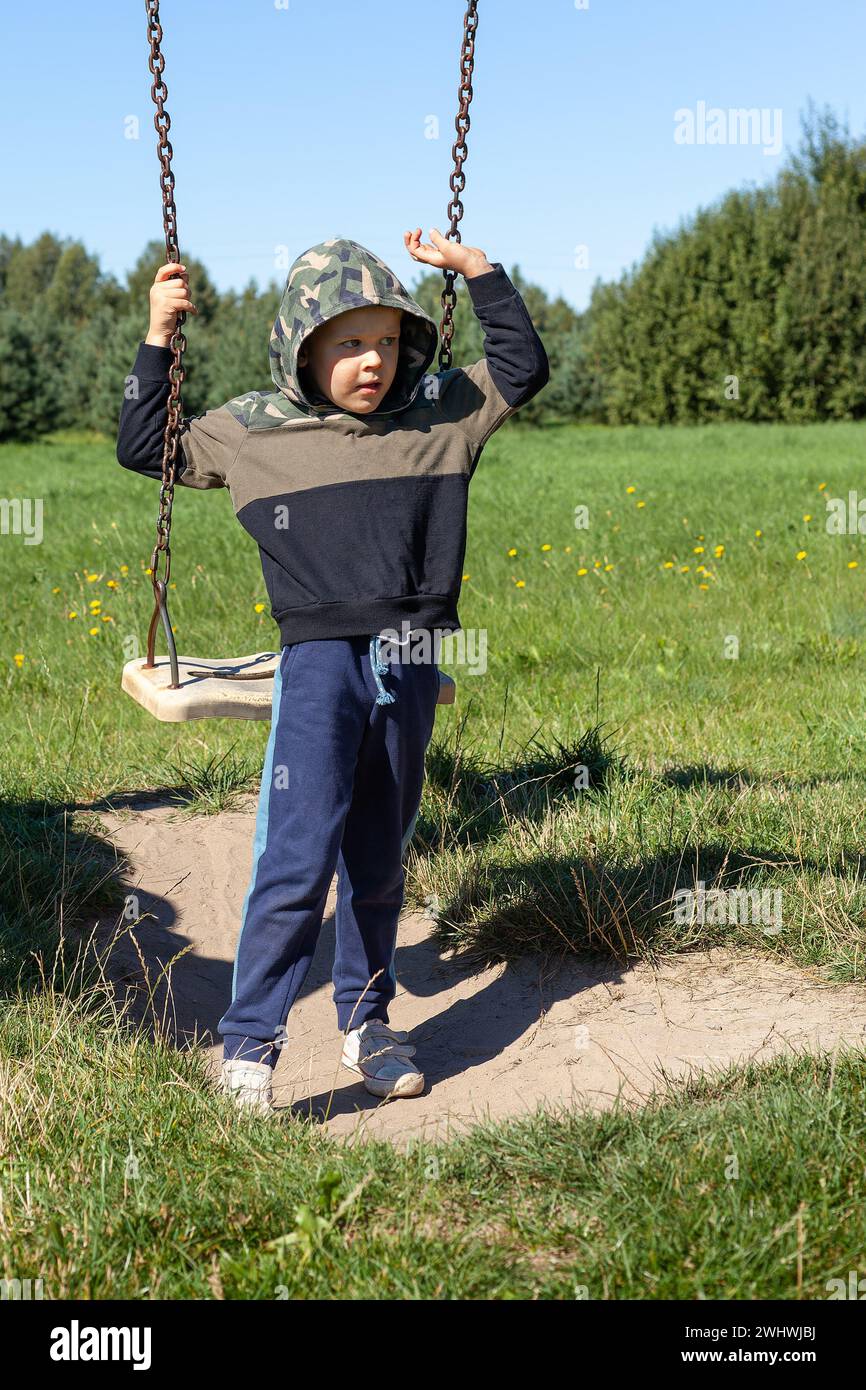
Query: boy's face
350,350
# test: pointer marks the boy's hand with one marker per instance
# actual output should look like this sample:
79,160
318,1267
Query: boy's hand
168,298
446,255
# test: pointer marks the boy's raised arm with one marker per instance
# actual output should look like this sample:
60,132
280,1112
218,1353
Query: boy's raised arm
514,368
208,443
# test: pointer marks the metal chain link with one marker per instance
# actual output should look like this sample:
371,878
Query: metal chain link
171,437
458,178
162,125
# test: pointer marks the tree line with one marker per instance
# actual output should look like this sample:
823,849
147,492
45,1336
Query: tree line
69,334
751,309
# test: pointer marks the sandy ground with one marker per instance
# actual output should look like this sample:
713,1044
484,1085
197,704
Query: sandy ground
492,1043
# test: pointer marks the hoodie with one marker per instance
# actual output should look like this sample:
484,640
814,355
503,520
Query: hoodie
360,520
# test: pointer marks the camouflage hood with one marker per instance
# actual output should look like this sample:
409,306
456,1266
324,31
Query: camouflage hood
329,279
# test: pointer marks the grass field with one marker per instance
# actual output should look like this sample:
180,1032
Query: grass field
699,648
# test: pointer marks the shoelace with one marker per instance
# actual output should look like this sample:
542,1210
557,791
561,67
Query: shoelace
395,1044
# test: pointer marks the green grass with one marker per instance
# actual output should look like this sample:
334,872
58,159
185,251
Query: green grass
124,1176
511,858
791,704
736,771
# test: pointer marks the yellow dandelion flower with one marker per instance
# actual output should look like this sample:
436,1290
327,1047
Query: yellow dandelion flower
700,569
92,578
719,551
583,571
93,631
759,534
801,554
148,570
852,564
112,584
668,565
172,585
631,489
124,569
73,614
697,550
512,553
55,591
547,547
700,538
521,583
466,576
568,550
821,487
258,607
808,516
641,504
608,568
703,586
19,659
597,564
107,618
684,569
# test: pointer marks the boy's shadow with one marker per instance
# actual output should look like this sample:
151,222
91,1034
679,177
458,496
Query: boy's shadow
181,998
473,1025
472,1029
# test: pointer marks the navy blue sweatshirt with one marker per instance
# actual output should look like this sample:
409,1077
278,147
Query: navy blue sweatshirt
360,519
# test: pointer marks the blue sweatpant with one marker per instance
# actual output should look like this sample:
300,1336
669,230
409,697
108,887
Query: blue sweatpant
340,790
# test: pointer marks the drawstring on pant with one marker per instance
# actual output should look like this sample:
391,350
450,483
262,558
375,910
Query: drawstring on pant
380,667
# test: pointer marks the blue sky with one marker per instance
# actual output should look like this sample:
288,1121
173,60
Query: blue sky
294,123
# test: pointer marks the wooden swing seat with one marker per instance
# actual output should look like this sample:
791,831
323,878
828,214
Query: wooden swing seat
219,687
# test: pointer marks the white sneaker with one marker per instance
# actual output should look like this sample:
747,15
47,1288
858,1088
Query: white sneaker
249,1084
381,1055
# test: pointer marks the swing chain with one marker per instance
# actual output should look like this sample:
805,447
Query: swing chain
457,181
162,124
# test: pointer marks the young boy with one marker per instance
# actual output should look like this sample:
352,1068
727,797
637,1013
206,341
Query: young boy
352,477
